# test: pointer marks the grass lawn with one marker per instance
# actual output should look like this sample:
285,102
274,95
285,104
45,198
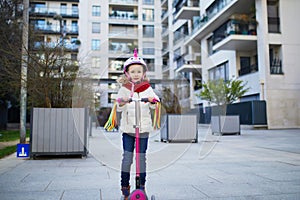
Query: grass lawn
7,151
7,136
11,135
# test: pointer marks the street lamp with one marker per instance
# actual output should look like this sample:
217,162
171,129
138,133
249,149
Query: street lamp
62,36
23,92
61,25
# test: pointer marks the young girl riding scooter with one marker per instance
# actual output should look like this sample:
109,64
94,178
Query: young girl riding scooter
134,84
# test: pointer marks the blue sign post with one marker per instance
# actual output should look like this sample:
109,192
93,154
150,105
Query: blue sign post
23,150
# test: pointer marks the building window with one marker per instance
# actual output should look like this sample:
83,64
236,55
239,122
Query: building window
148,2
273,16
74,57
248,65
219,72
74,9
96,62
210,50
40,24
148,15
74,27
150,64
275,59
63,9
111,97
96,11
38,7
116,65
245,63
96,27
95,45
148,31
148,48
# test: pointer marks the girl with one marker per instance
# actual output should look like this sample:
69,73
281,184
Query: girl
134,85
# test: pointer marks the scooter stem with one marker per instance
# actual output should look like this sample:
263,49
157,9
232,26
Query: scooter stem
137,142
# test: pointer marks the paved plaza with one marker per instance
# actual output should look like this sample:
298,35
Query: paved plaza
258,164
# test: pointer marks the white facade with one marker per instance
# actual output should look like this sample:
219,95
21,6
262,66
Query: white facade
54,22
110,30
265,57
178,59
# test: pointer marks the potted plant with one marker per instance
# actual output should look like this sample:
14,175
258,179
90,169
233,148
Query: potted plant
222,93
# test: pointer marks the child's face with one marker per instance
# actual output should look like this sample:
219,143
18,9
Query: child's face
136,72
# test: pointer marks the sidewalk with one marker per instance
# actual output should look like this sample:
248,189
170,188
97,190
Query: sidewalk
259,164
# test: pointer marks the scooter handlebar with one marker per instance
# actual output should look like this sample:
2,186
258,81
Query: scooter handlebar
121,100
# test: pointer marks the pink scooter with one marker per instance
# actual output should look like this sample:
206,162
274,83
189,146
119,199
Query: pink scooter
138,194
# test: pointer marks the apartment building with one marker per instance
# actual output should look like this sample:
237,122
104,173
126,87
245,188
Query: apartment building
109,32
181,63
251,40
55,23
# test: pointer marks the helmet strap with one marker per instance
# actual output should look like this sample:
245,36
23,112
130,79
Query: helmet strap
144,76
127,75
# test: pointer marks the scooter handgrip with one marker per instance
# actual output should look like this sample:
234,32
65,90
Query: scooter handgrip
120,100
144,99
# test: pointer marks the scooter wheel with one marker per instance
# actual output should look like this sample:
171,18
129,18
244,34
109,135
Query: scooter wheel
152,197
138,195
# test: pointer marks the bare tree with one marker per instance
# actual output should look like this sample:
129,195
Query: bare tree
47,84
10,55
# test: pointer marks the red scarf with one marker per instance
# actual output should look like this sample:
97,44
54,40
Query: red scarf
138,87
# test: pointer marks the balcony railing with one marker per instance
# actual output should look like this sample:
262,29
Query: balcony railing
121,48
52,11
56,28
211,12
164,13
276,66
188,3
180,61
126,33
124,1
249,69
68,46
123,15
234,27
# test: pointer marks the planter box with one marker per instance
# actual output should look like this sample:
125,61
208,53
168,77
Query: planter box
225,124
180,128
59,131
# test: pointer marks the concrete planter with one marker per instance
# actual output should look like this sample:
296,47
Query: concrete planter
224,124
179,128
59,131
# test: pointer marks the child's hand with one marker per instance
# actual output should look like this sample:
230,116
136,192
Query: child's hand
122,101
153,100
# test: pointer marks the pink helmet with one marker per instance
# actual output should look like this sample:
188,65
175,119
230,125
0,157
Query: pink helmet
134,60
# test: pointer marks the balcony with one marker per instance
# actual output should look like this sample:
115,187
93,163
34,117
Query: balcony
130,34
236,35
55,29
217,16
123,2
165,69
123,15
248,69
187,9
52,11
121,47
67,46
187,66
164,16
